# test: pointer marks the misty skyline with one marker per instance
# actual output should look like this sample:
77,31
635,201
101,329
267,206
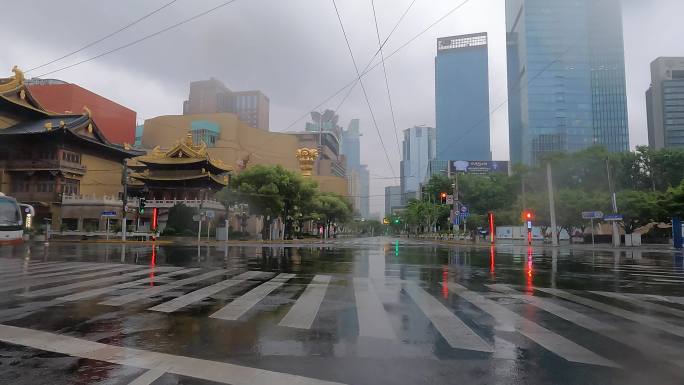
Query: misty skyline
295,53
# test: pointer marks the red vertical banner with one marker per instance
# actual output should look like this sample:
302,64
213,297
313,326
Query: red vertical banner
155,215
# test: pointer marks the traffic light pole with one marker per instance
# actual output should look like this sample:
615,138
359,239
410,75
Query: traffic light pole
124,199
552,205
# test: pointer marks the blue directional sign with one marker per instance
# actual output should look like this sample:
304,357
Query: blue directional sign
109,213
592,214
613,217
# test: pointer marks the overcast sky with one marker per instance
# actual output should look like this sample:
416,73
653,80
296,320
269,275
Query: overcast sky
294,51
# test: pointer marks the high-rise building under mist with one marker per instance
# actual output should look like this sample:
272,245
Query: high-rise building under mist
357,173
665,103
462,98
418,149
566,77
212,96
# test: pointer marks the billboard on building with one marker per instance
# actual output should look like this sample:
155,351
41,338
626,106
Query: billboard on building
478,167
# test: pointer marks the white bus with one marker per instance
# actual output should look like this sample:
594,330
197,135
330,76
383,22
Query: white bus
12,222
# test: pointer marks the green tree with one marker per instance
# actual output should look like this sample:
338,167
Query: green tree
640,208
180,219
272,191
331,208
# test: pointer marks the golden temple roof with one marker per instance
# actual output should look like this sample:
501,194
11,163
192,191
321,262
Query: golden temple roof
185,152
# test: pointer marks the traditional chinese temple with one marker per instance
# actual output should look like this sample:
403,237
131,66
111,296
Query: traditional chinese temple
185,173
62,164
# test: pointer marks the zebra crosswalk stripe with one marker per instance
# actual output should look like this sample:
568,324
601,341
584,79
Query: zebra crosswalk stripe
156,290
373,319
641,303
303,313
452,328
198,295
549,340
242,304
630,315
108,289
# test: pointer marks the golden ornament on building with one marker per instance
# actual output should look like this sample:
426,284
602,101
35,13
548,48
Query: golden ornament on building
306,158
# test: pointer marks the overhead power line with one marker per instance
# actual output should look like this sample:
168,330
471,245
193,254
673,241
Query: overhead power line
384,70
92,43
363,88
134,42
370,68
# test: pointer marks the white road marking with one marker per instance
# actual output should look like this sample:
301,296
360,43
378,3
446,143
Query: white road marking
242,304
148,377
77,285
47,281
41,269
108,289
549,340
558,310
303,313
67,271
373,319
641,303
200,294
156,290
630,315
452,328
220,372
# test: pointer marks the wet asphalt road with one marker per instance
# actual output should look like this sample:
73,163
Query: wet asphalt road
362,311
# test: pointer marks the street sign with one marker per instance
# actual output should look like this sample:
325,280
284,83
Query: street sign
613,217
464,210
196,218
210,214
109,213
450,199
592,214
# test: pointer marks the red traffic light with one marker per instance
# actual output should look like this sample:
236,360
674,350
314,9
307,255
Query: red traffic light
527,215
443,195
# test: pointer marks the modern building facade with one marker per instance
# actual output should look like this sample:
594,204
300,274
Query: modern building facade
462,97
392,199
665,103
357,173
212,96
115,121
566,77
419,147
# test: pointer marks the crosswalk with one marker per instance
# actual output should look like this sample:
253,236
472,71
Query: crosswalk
237,295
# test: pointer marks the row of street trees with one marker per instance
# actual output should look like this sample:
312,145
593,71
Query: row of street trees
275,192
648,183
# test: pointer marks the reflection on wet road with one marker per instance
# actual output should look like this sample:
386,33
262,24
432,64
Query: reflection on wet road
357,311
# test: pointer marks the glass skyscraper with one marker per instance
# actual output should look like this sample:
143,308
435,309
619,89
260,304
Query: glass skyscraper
462,98
566,77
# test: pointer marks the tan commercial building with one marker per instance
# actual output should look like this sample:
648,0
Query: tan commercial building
237,144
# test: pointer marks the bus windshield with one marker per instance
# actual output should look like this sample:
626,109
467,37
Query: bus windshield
9,212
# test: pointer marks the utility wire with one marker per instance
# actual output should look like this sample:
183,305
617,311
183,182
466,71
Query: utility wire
134,42
384,70
92,43
365,94
370,68
376,54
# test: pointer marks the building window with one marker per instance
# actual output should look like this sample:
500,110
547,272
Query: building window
72,187
71,157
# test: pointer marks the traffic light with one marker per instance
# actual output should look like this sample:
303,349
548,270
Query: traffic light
141,206
527,215
397,220
385,221
443,197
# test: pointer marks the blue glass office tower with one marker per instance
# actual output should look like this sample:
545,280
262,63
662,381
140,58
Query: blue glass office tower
566,77
462,98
